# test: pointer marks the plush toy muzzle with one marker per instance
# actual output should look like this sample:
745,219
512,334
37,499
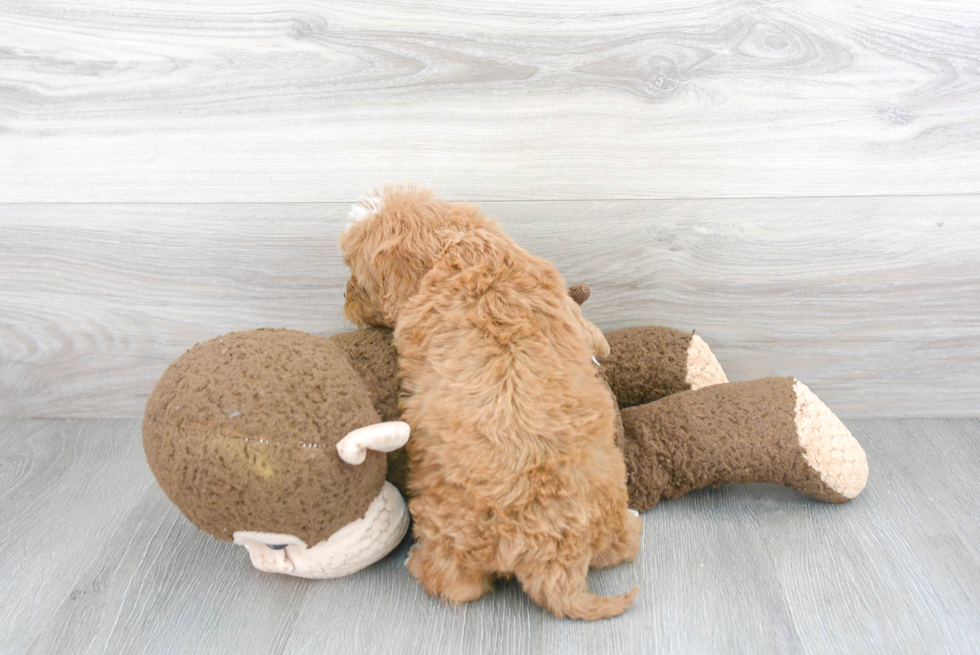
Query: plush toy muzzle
355,546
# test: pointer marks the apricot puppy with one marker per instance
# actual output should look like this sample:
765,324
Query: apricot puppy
513,466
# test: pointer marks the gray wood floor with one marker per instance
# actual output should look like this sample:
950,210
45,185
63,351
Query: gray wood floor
94,558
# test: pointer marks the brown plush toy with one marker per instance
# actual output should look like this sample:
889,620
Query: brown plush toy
255,436
685,426
263,438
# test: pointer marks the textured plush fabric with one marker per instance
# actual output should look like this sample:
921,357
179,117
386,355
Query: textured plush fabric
828,446
373,355
241,434
579,293
646,363
398,470
729,433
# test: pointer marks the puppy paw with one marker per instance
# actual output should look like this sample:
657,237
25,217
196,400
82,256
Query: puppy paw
597,340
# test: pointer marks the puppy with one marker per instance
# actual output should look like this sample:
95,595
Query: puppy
512,461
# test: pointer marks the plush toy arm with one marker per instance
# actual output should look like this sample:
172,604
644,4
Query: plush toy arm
649,363
769,430
372,354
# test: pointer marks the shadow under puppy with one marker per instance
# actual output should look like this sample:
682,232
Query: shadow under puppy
513,467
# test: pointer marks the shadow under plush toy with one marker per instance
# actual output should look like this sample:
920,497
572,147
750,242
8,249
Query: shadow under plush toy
267,438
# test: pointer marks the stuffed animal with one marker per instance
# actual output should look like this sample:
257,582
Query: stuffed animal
684,426
270,439
258,437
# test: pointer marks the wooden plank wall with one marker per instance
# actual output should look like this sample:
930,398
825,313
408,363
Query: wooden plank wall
799,181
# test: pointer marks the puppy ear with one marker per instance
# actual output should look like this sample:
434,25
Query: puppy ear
400,263
467,248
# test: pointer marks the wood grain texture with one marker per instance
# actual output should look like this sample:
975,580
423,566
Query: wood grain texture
870,301
752,568
99,299
915,521
296,100
65,488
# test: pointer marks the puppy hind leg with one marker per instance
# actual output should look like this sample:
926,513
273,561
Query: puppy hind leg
562,590
438,567
625,544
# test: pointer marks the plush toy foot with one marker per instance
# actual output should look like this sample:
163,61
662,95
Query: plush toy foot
828,446
703,369
355,546
649,363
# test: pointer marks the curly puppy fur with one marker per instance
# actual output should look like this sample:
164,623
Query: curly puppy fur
513,466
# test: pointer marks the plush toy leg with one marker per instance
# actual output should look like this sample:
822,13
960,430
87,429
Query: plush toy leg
769,430
649,363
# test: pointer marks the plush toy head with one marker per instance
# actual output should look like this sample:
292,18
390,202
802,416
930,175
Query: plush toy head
260,438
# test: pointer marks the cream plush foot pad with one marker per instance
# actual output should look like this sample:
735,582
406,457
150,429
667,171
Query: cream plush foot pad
703,369
828,446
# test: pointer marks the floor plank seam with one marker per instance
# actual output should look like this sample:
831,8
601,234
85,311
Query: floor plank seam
512,201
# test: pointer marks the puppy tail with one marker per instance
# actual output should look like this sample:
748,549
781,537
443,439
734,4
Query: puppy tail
590,607
563,593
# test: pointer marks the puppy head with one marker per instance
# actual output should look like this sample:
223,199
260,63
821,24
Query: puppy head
392,241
